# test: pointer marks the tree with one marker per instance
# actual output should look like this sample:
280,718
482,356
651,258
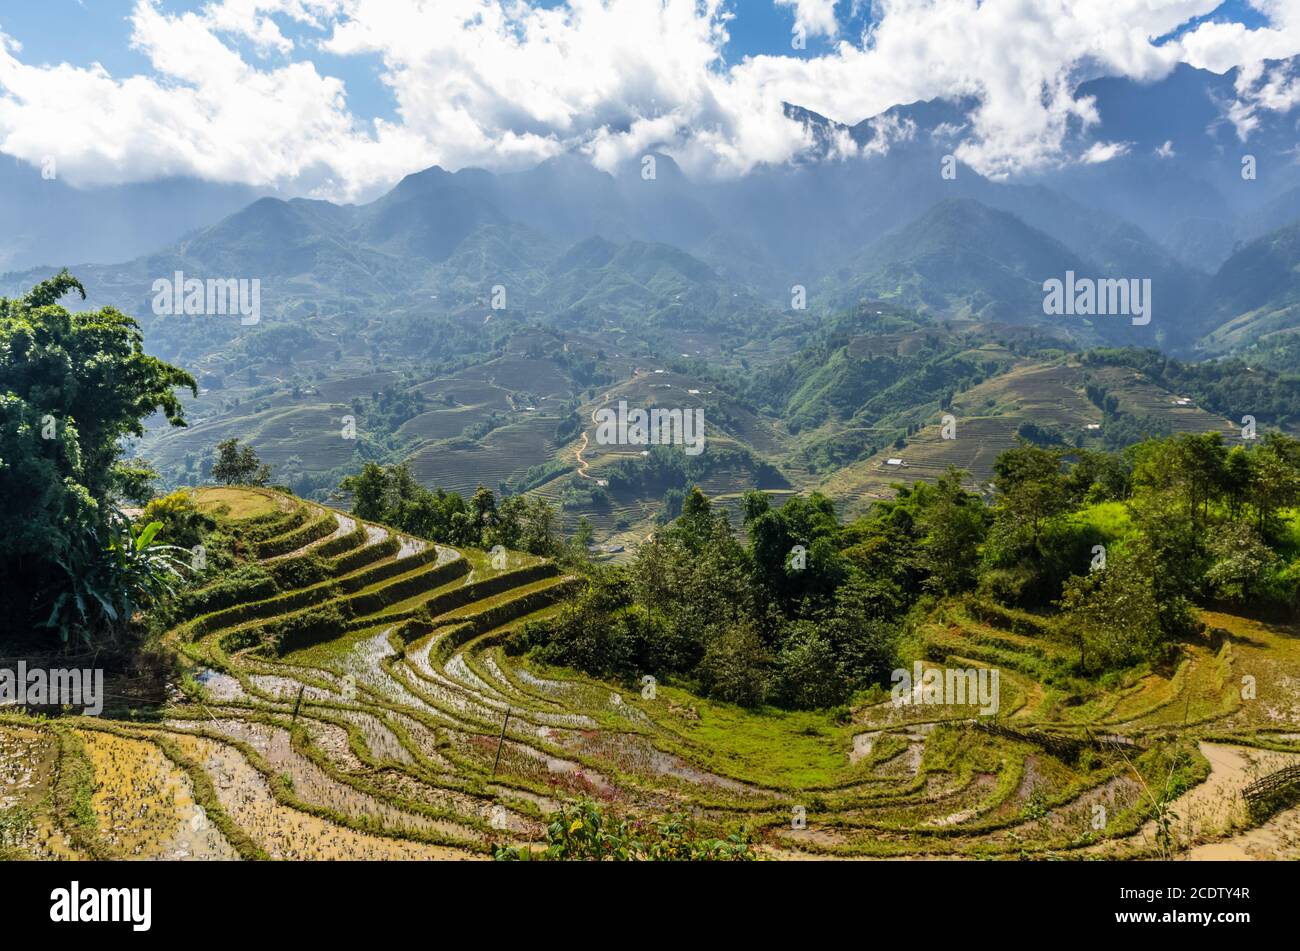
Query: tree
1242,563
136,481
861,634
1031,490
239,465
736,666
1193,466
954,522
369,490
73,388
1274,484
1112,615
582,537
809,677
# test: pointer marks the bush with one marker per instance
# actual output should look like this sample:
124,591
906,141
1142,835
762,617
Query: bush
310,627
1006,586
301,572
182,522
808,675
582,832
247,583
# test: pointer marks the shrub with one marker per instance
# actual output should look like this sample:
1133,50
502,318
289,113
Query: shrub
582,832
182,522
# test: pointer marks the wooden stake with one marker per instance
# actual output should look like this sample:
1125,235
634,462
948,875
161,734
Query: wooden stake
501,741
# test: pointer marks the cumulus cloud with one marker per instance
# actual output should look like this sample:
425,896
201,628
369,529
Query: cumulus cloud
234,94
1220,46
813,17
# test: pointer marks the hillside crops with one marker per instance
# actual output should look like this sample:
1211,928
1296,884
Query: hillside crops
381,714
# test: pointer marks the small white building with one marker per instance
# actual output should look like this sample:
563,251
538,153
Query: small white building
895,461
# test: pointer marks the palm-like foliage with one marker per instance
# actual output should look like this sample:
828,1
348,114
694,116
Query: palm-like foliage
109,579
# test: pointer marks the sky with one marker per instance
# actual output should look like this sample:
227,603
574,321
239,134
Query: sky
338,98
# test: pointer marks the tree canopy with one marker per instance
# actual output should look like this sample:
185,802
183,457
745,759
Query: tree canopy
73,387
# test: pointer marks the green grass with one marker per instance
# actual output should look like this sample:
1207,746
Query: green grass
235,503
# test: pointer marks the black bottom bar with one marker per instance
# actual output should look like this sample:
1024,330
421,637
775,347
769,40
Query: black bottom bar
258,901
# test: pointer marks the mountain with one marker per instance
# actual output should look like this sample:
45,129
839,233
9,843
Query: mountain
1256,293
46,222
472,321
1177,172
960,259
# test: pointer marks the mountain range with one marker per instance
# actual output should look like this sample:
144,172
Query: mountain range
789,300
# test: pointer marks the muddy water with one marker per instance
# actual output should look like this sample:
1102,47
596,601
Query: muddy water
145,804
472,703
1276,839
310,782
413,546
633,753
425,740
380,740
285,689
863,744
556,688
27,764
503,685
346,526
458,670
286,833
1215,808
220,687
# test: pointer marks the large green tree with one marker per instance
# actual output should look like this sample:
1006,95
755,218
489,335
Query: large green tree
73,387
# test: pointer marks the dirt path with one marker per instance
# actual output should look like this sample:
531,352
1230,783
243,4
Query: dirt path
583,464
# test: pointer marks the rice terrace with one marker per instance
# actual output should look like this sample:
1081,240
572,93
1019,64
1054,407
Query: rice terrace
414,730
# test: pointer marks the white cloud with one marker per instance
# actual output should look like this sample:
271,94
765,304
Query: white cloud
1100,152
886,130
503,84
814,17
1222,46
1166,151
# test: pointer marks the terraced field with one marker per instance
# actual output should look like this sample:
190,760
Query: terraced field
494,459
1139,396
310,431
927,456
380,713
989,417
